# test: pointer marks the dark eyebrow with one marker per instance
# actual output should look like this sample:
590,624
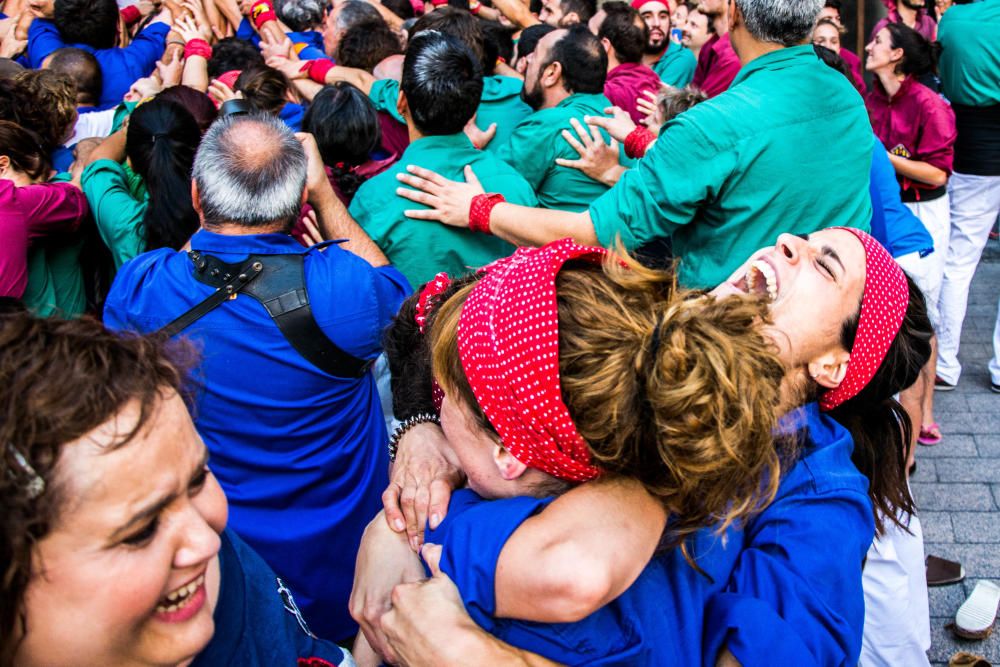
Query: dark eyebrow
148,512
832,254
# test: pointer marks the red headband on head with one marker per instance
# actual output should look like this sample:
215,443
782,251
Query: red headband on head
508,342
637,4
883,307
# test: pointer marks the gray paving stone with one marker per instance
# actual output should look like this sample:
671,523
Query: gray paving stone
977,527
937,526
988,445
952,446
983,402
950,401
945,600
925,470
937,496
969,422
968,469
944,644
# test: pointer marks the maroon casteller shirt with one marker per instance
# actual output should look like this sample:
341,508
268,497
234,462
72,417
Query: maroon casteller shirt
717,66
626,83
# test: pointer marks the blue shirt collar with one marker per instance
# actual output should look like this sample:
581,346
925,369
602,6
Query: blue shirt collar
247,244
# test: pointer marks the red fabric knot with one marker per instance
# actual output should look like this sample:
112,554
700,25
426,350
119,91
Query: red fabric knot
883,306
130,14
428,301
508,343
480,209
638,140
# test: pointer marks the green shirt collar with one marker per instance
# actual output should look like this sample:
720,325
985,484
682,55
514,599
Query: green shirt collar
441,142
789,56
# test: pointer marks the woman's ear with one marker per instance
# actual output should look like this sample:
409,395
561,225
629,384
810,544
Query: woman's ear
829,369
510,468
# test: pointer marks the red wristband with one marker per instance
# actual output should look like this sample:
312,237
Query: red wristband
261,12
475,6
130,14
637,141
480,209
439,3
317,69
197,47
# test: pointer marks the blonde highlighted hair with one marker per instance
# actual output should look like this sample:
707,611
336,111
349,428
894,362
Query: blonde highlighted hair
694,422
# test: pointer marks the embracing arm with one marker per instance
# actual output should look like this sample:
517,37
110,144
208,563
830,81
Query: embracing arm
517,12
582,552
918,170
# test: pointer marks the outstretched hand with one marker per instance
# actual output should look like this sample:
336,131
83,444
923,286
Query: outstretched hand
618,123
598,159
448,202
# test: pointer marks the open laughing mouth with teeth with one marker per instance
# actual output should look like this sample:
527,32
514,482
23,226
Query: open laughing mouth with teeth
761,279
182,603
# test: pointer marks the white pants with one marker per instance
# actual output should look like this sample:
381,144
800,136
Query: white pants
897,614
975,203
995,361
928,272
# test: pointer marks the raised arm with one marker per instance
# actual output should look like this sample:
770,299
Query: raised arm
517,12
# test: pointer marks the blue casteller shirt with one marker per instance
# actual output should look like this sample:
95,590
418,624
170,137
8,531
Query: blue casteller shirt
253,625
893,224
120,67
301,455
785,590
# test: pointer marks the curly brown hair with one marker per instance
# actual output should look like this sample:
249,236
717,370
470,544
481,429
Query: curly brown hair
694,423
59,380
48,105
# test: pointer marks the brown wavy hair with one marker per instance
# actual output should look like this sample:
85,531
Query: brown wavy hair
47,105
691,418
59,380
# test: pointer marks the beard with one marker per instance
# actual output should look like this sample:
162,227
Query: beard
532,95
654,47
915,4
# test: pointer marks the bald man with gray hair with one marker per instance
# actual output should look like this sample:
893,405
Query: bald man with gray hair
288,405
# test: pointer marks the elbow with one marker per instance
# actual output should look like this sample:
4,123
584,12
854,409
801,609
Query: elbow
940,179
578,586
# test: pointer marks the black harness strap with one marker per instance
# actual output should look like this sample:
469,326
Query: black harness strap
278,283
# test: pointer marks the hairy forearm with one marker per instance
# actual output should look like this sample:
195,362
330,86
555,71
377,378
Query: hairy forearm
582,552
526,226
112,148
336,223
918,170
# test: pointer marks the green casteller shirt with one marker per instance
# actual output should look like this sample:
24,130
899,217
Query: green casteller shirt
55,281
116,211
537,142
970,55
421,249
676,66
786,149
500,103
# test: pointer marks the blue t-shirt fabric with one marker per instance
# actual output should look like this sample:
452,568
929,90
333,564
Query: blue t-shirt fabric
783,590
120,67
255,621
300,454
893,224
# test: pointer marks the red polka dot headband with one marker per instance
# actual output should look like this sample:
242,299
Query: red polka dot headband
508,342
883,307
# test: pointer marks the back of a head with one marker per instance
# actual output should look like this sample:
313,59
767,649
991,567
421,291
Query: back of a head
676,101
82,67
196,102
22,148
346,127
920,57
10,68
353,12
672,389
584,9
459,24
442,81
90,22
233,53
84,375
46,105
784,22
584,61
300,15
366,44
529,38
250,170
160,144
498,42
401,8
265,88
625,30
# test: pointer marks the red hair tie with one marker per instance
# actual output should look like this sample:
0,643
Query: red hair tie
883,306
508,343
427,301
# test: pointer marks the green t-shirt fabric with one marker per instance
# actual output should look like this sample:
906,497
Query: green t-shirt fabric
421,249
786,149
970,56
676,66
500,103
55,281
537,142
116,211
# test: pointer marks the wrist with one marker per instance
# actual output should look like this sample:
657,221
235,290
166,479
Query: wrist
317,69
480,210
197,48
262,12
637,141
407,425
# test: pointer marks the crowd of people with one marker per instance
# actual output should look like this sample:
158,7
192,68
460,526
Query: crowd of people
481,331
